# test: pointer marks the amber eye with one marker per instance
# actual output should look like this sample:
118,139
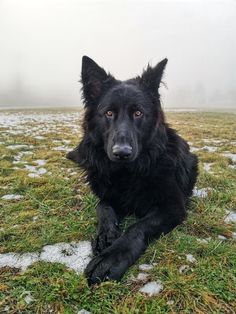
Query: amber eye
109,114
138,114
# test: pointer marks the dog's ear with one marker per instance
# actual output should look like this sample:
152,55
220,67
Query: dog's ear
151,77
93,78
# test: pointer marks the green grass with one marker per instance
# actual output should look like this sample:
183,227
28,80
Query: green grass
64,211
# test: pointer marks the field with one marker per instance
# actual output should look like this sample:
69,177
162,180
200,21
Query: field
44,200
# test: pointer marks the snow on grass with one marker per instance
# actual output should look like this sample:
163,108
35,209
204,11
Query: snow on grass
190,258
142,277
194,149
152,288
74,255
184,269
203,241
145,267
62,149
207,166
20,146
36,172
215,141
40,162
231,217
231,156
201,192
83,311
39,137
210,149
22,261
9,197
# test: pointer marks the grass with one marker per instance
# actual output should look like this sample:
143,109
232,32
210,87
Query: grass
59,207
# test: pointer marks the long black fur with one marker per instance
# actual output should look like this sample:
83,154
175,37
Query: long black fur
154,182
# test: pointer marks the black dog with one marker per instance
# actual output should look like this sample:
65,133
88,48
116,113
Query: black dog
135,164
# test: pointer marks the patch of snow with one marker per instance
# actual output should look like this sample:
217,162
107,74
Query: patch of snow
145,267
29,299
30,168
206,240
15,260
74,255
234,235
62,149
83,312
207,166
33,175
221,237
34,172
210,149
231,156
35,218
183,269
194,149
39,137
201,192
214,141
41,171
11,197
190,258
152,288
66,141
232,166
40,162
142,276
18,146
231,217
73,173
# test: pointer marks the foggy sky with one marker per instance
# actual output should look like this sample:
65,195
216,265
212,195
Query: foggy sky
42,43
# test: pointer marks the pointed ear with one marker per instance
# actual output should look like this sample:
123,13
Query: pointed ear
151,77
92,77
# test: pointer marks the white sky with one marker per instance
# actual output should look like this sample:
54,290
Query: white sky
42,42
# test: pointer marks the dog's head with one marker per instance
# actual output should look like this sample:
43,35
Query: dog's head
121,115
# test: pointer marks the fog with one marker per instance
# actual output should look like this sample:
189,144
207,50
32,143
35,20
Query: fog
42,43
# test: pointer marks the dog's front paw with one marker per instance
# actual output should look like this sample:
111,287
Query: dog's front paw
105,238
110,265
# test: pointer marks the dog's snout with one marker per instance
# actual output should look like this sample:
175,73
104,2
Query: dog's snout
123,151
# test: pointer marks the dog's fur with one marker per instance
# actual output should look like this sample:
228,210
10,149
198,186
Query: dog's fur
135,164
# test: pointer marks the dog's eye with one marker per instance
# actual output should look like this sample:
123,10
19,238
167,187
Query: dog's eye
138,114
109,114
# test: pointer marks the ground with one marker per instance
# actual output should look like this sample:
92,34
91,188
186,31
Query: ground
195,264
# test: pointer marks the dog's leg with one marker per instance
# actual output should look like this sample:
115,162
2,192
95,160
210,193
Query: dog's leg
108,228
115,260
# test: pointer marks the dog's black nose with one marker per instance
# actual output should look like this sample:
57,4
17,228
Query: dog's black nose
123,151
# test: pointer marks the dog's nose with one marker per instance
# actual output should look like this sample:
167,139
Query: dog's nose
122,151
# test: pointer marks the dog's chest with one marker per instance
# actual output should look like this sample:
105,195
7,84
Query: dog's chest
129,192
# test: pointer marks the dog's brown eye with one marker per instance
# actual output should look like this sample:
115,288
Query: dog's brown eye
138,114
109,114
